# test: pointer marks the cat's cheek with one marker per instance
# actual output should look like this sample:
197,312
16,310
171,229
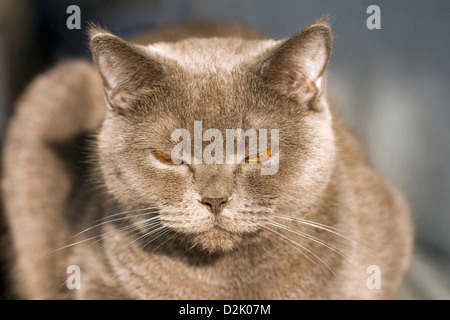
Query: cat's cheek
263,171
255,185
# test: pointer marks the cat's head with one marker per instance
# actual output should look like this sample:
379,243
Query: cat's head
166,93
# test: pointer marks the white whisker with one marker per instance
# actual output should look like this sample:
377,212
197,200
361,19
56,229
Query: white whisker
301,246
98,237
312,238
108,221
123,246
338,232
333,230
148,223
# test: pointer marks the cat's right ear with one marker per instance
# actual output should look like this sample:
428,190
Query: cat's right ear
127,72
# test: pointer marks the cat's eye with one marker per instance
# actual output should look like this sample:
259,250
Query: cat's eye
163,157
258,158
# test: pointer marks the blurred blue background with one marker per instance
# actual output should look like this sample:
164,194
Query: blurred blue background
391,85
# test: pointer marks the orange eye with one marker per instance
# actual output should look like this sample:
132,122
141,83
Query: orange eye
161,156
259,157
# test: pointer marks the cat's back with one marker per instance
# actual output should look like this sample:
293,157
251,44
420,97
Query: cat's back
38,163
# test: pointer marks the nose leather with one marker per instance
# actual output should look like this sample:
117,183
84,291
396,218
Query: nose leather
215,204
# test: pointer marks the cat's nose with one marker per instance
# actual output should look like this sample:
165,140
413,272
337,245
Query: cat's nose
215,204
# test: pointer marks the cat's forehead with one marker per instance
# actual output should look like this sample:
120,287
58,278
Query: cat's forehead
198,55
211,84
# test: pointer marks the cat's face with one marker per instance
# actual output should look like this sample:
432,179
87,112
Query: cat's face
273,88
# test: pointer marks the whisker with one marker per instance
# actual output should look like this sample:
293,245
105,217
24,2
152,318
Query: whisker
172,238
166,231
131,211
113,220
312,238
129,243
100,236
319,226
332,230
148,223
139,238
301,246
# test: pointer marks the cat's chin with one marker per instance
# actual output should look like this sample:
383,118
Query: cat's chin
217,240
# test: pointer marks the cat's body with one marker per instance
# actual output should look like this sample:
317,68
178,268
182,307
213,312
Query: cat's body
311,231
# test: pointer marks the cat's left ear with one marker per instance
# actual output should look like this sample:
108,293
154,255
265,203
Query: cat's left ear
128,73
297,67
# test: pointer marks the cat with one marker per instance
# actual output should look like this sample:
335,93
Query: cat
89,179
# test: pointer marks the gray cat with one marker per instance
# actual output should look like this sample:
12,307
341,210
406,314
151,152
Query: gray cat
90,182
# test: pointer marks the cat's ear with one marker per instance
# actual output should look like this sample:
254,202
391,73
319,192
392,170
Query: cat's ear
126,70
297,67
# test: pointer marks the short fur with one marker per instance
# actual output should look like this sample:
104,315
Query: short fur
308,232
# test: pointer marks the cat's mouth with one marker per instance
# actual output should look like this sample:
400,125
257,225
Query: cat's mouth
217,239
213,234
